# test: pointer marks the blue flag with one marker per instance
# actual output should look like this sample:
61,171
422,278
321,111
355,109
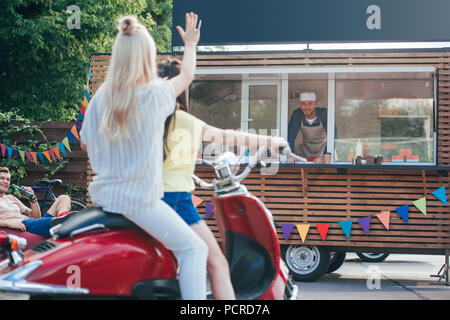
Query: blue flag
440,194
346,227
9,152
403,212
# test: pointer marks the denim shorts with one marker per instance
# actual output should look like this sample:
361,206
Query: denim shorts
40,226
182,203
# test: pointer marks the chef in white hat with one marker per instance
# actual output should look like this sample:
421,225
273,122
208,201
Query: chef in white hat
307,130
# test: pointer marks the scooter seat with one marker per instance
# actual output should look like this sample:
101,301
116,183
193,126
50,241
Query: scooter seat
89,219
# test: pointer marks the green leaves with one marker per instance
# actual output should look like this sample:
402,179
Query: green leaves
45,64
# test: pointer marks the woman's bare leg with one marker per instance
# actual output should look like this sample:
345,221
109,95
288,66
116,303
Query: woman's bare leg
217,264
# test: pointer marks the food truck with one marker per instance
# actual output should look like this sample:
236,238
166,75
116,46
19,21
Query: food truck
385,186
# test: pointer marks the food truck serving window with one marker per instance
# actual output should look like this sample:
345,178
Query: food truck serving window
363,115
384,114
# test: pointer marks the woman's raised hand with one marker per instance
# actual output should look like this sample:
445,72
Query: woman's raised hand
191,35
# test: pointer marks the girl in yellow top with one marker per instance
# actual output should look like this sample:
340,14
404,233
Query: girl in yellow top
182,138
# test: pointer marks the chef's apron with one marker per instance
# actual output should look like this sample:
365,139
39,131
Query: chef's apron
314,141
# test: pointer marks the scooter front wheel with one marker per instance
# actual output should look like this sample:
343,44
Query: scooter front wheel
306,263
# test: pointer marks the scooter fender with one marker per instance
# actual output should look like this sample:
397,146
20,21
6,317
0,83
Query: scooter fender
105,263
245,216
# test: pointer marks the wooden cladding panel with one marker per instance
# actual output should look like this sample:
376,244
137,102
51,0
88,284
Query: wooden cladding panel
328,197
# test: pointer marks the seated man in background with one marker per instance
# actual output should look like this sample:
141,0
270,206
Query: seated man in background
15,215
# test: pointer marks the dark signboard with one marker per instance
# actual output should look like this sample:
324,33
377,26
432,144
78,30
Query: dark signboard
226,22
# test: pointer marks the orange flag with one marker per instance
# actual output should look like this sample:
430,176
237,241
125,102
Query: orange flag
196,201
384,217
74,132
47,155
56,151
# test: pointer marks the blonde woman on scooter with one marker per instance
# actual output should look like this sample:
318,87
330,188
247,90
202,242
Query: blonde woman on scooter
123,135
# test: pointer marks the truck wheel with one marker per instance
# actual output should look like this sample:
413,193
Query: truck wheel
372,257
306,263
337,259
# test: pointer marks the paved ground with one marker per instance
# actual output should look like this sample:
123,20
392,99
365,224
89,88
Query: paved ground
399,277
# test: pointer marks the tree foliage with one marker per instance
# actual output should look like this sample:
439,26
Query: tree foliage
44,64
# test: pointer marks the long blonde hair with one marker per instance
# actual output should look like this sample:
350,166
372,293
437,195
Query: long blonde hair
133,63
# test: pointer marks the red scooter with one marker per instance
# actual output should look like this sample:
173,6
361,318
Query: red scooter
96,254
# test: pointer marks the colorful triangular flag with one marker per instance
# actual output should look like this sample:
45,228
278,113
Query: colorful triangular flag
56,151
365,224
41,157
71,138
208,210
74,132
33,154
9,149
66,144
439,194
403,212
16,154
196,201
3,147
22,155
52,155
61,148
323,229
78,124
346,227
47,155
287,229
28,155
384,217
303,231
421,204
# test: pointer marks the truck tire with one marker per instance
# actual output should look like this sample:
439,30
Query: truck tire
306,263
337,259
372,257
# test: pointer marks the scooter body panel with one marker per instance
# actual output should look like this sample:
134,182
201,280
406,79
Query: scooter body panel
246,215
106,263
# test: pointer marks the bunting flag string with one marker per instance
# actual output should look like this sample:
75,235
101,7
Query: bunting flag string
364,222
54,154
208,210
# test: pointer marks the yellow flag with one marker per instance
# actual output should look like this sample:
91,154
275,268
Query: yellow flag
303,230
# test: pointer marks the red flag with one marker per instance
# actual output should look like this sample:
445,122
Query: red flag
323,229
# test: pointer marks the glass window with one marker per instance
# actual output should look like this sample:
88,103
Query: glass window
216,99
385,114
263,107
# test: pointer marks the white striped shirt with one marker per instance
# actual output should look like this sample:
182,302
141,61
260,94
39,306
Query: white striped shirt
128,171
